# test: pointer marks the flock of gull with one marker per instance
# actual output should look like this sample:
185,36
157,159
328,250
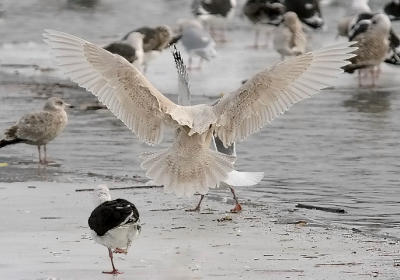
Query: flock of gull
202,155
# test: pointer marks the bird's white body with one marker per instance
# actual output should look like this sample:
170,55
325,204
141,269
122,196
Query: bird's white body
119,237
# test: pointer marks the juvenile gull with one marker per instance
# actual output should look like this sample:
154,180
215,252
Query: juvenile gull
196,41
214,13
154,42
235,178
372,36
263,14
114,224
289,38
358,25
189,165
130,48
39,128
308,11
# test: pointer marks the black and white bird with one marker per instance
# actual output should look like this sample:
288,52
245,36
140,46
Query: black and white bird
155,40
392,9
263,14
130,48
308,11
215,14
114,224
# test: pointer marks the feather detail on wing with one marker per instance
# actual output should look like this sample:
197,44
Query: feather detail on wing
118,85
271,92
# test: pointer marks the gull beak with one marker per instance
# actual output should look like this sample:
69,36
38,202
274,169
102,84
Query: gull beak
69,105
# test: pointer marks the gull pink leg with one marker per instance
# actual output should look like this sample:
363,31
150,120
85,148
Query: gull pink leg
237,207
197,209
114,271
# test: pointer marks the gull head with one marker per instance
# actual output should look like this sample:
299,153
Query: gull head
101,194
291,20
164,32
381,23
56,104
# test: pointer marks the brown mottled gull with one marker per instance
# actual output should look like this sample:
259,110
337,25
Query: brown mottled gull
39,128
290,39
372,36
189,165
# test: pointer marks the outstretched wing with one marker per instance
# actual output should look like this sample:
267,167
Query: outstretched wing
272,92
118,85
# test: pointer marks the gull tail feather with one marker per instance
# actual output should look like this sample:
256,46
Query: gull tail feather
187,174
6,142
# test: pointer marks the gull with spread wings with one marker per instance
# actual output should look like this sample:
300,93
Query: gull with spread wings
189,165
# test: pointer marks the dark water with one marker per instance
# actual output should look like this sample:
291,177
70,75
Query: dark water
339,148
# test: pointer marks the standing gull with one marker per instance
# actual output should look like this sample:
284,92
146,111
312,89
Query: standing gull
263,14
39,128
196,41
289,38
114,223
235,178
189,165
372,36
214,13
359,24
130,48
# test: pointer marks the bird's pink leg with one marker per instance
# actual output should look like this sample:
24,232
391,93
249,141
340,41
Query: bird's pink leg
373,76
114,271
197,209
237,207
40,155
45,154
